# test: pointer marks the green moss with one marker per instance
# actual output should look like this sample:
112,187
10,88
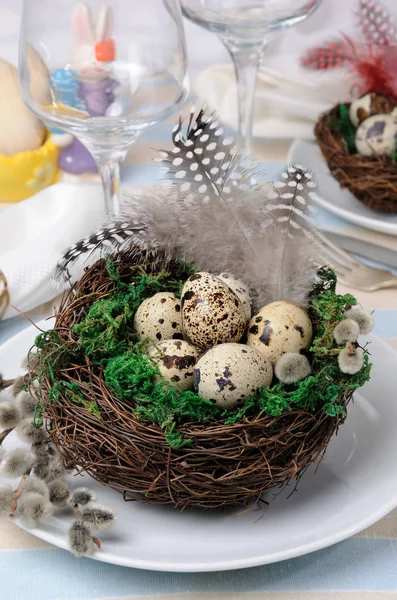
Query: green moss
107,330
345,128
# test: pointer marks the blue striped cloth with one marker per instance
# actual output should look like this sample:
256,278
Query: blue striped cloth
363,567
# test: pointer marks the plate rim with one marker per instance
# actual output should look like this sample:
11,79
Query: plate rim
363,221
227,565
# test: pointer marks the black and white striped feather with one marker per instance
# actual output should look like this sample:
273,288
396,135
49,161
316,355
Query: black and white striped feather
260,233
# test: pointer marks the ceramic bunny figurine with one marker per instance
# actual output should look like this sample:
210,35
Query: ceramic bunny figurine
90,60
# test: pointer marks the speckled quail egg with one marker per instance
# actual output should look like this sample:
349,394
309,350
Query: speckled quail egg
369,105
240,289
377,135
280,327
229,373
175,360
159,318
211,313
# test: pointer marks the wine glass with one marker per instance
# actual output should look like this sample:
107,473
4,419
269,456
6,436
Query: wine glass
125,68
246,27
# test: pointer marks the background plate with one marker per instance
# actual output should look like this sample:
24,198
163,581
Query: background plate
353,487
331,196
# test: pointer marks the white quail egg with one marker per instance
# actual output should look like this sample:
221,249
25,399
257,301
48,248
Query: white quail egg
377,135
240,289
229,373
369,105
280,327
211,313
159,318
175,360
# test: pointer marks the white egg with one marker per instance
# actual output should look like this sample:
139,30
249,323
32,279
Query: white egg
159,318
368,105
240,289
377,135
211,313
280,327
229,373
175,360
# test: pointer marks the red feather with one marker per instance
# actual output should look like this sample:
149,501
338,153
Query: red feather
376,70
330,55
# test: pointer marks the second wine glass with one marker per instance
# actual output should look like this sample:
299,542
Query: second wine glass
125,67
246,27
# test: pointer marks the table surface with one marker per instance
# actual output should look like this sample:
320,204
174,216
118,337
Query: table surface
363,567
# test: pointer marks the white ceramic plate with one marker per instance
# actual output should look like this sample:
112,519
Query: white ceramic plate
354,486
331,196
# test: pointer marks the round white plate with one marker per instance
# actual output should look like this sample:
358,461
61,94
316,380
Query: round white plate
331,196
353,487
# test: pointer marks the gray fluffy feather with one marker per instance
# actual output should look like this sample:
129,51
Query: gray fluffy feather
216,218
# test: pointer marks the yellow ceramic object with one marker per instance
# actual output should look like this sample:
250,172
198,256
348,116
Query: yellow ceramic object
26,173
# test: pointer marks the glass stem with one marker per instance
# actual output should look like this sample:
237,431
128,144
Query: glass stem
246,63
109,170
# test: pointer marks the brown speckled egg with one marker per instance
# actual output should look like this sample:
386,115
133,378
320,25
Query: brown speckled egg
159,318
175,360
211,313
377,135
280,327
229,373
369,105
240,289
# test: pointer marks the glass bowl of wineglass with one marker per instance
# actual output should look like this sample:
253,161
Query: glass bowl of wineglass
103,73
246,27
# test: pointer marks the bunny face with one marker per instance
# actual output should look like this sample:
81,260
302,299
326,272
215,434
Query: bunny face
85,59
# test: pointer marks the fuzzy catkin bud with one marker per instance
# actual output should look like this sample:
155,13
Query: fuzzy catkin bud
16,463
59,493
6,498
346,331
41,462
351,360
81,496
9,415
27,432
34,509
363,318
17,386
56,468
25,403
98,516
80,539
292,367
35,485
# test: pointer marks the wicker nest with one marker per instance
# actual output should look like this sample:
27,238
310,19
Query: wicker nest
224,465
373,179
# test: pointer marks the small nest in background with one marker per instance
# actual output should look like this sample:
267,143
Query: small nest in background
372,179
224,465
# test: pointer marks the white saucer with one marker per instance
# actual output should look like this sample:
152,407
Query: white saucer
331,196
353,487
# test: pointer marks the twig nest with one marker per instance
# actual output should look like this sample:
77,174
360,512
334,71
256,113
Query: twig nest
229,373
369,105
363,318
159,318
377,135
175,359
211,312
347,330
292,367
278,328
240,289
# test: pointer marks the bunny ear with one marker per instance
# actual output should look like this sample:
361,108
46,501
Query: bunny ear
104,25
82,23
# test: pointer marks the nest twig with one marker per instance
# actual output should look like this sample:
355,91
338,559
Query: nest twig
372,179
225,464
